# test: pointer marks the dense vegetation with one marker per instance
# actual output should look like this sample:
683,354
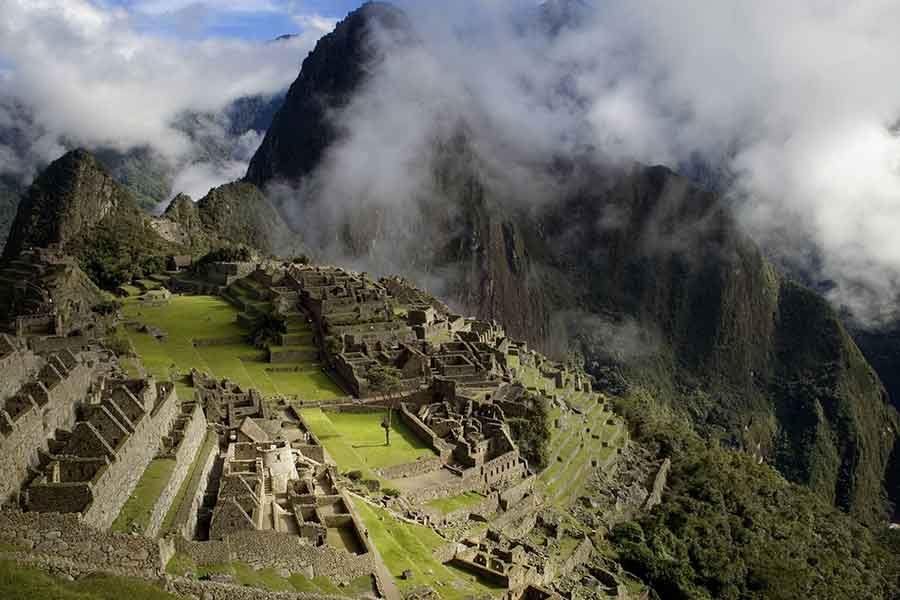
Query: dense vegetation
226,254
532,432
732,528
121,248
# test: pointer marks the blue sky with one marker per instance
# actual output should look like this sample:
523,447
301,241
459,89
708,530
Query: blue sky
244,19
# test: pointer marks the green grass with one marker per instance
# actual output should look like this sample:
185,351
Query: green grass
25,583
208,446
454,503
188,318
139,506
270,579
562,480
404,546
356,441
364,433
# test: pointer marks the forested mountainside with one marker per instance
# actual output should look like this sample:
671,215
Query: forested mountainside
142,171
76,204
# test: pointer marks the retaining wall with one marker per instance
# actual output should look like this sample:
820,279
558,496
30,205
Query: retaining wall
194,434
186,517
65,536
418,467
268,549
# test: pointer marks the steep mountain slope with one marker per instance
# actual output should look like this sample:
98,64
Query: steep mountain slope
76,204
148,176
757,361
300,130
232,213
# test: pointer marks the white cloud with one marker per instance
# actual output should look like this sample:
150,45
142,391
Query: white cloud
795,99
89,77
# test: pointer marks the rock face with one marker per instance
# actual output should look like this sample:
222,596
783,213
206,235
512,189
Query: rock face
757,361
234,213
301,130
239,212
72,195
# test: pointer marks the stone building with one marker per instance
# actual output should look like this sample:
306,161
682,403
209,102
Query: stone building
39,394
93,469
275,479
225,402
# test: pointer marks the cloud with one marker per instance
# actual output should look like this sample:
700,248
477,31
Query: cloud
791,103
87,76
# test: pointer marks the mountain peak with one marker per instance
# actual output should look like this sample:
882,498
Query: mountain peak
330,75
74,193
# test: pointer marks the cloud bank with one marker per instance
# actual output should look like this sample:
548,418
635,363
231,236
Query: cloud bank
789,108
83,74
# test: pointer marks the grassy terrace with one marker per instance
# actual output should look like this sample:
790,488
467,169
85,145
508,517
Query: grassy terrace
137,509
405,546
356,441
24,583
188,318
269,579
454,503
573,449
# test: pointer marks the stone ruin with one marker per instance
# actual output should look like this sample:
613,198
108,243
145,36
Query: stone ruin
45,293
39,394
273,477
92,469
225,402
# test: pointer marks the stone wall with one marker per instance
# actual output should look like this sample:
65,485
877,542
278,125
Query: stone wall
113,488
15,369
418,467
506,468
515,494
188,512
659,485
208,590
64,536
268,549
437,444
60,343
23,437
185,453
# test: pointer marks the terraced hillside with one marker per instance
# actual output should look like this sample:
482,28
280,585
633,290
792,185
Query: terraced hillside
203,333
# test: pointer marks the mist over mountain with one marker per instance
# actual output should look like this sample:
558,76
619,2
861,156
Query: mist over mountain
499,186
164,115
672,224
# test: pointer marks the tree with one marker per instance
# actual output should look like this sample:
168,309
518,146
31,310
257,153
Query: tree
385,381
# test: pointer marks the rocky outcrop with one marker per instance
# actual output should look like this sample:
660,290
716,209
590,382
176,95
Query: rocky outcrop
234,213
239,213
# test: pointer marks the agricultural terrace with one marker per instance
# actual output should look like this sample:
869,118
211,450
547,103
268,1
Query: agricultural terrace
407,546
189,323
